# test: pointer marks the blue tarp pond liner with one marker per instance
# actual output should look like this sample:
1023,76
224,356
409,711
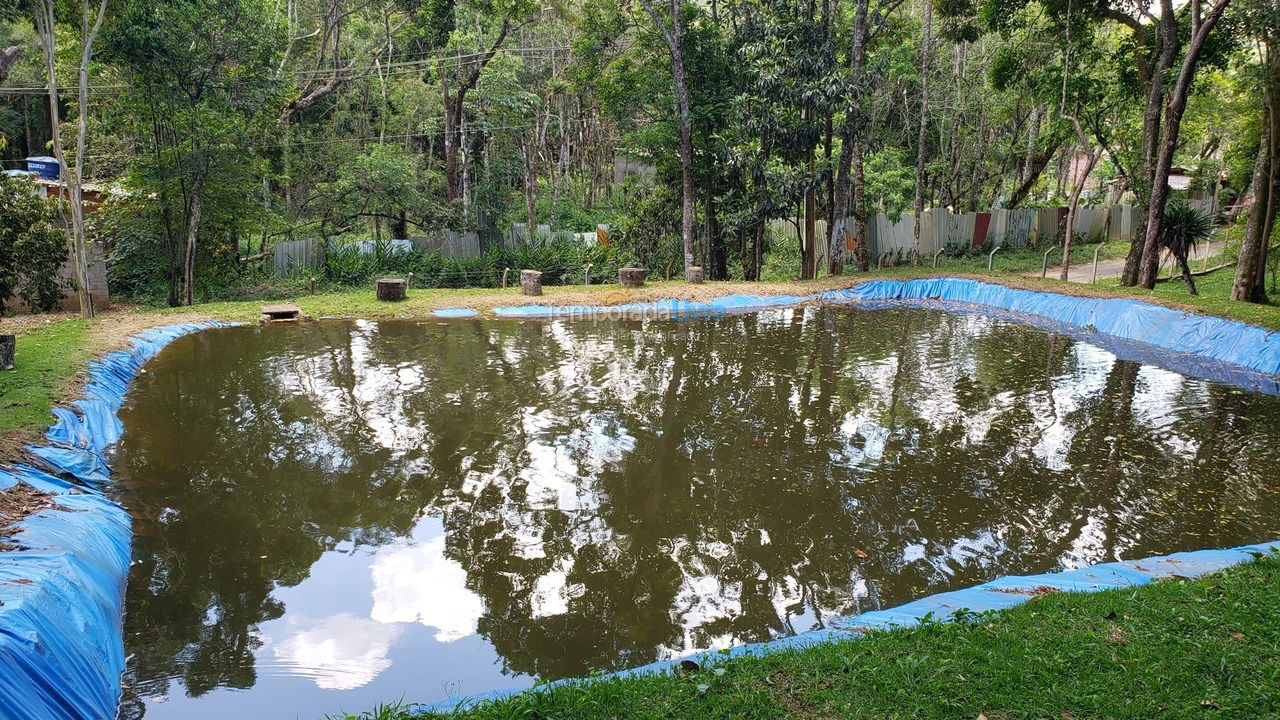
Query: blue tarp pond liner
1201,336
62,587
999,594
454,313
1197,345
62,583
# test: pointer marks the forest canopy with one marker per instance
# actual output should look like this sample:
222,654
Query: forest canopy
691,130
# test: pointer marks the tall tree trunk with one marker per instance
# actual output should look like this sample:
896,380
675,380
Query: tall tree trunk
861,234
924,118
674,35
808,248
193,230
838,229
850,148
1250,281
686,141
1177,103
454,98
72,179
452,113
1144,184
1068,236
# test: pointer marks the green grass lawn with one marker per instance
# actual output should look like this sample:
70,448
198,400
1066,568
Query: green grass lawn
1205,648
1214,298
45,362
1026,260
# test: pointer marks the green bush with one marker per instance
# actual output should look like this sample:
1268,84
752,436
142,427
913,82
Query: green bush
562,259
32,248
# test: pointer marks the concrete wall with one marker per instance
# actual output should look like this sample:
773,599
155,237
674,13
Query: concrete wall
71,300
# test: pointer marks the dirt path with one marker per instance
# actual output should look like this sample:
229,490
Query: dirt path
1113,267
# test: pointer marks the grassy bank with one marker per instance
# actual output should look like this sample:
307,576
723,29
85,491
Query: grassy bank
1203,648
47,362
1214,298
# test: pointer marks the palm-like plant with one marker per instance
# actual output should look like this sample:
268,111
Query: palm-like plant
1184,228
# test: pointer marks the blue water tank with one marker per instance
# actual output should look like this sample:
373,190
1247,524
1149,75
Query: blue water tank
45,165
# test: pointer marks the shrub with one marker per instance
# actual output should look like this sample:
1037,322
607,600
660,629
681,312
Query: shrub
32,248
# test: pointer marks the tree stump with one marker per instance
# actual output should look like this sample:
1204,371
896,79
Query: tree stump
8,347
531,282
631,277
694,275
390,289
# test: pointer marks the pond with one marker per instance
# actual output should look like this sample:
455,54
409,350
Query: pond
344,513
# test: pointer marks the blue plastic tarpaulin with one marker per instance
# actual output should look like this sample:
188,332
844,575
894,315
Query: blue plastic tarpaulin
62,584
999,594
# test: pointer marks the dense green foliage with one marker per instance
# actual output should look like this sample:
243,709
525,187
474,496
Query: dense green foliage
229,126
32,248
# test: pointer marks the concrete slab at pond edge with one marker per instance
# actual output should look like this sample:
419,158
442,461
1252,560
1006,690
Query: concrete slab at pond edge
62,585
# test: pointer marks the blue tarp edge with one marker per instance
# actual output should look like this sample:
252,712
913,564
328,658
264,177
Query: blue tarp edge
1202,346
62,586
999,594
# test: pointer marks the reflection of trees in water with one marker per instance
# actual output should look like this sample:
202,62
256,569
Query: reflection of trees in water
693,482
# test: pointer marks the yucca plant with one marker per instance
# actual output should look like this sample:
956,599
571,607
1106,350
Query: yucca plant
1184,228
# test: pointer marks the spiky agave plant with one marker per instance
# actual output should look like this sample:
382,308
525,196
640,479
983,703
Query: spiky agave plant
1183,229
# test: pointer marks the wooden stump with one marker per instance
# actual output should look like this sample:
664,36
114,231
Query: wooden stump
694,275
531,282
8,347
631,277
390,289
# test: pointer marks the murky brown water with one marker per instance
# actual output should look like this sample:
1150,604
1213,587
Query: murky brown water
348,513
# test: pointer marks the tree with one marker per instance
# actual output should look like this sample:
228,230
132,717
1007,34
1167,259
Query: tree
433,30
1182,228
671,24
1262,18
1201,25
849,178
1093,151
925,50
72,179
201,89
31,247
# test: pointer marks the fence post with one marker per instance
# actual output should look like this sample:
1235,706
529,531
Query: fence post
586,275
504,277
935,256
992,258
1096,250
1044,267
